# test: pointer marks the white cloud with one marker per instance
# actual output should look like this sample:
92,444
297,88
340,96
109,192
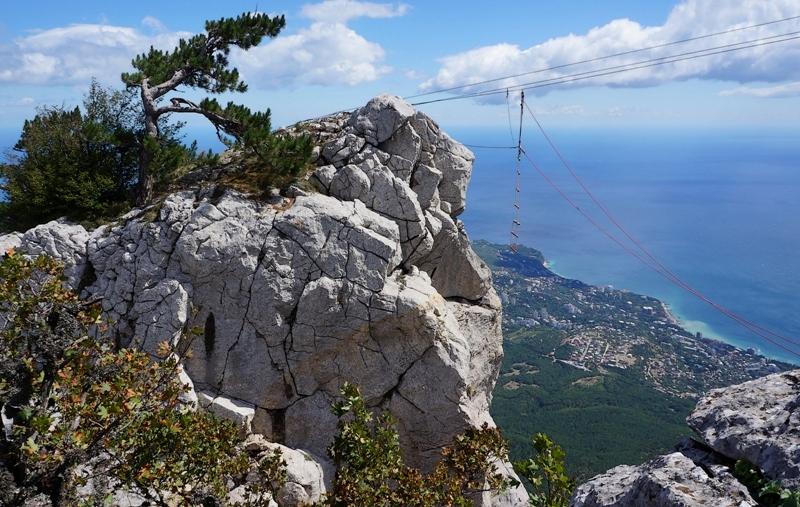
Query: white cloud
326,53
24,101
323,54
340,11
415,75
154,24
787,90
76,53
691,18
573,110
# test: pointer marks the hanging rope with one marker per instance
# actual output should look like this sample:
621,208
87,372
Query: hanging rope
515,224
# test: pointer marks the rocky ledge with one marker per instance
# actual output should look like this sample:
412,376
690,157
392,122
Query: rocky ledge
371,280
757,421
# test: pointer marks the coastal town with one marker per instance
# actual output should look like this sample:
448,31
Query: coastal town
605,328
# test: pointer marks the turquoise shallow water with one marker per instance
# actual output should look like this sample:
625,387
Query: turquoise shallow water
720,208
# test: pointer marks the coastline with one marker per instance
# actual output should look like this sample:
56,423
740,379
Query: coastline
670,317
693,326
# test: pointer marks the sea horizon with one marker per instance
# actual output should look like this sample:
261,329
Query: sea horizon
717,205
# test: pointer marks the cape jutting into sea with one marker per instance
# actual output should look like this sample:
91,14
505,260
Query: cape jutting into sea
718,207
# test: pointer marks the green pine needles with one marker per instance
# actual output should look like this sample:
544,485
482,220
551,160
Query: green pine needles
202,63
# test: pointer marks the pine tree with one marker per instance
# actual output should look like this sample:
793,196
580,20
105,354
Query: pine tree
73,164
202,62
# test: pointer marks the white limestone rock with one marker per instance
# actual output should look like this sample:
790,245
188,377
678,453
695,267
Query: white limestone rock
380,118
417,176
307,476
9,241
238,411
426,186
455,269
758,421
342,148
667,481
160,314
454,160
512,497
62,241
373,283
404,147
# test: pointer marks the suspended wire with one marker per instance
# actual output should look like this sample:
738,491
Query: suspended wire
739,320
491,147
510,127
624,53
676,278
515,223
653,62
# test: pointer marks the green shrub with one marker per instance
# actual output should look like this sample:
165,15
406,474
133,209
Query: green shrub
768,493
75,400
82,165
371,472
551,486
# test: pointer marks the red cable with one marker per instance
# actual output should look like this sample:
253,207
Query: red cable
741,321
677,280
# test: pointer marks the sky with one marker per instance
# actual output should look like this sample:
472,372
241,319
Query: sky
337,54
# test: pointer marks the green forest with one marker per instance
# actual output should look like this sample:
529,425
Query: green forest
600,421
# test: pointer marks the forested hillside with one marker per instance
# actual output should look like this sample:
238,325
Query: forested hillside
608,374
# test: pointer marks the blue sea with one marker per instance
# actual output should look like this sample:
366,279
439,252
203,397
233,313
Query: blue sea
719,206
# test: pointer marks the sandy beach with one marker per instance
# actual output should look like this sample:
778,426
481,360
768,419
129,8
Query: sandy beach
670,318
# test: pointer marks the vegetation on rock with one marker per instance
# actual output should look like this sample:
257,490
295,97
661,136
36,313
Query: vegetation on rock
768,493
83,419
202,63
371,471
550,484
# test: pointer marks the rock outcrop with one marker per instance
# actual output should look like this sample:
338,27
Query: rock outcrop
372,281
758,421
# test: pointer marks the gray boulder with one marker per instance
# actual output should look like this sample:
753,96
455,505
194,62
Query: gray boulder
415,175
758,421
58,239
380,118
689,477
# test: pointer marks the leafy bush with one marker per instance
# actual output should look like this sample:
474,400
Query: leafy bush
551,485
371,472
768,493
81,411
